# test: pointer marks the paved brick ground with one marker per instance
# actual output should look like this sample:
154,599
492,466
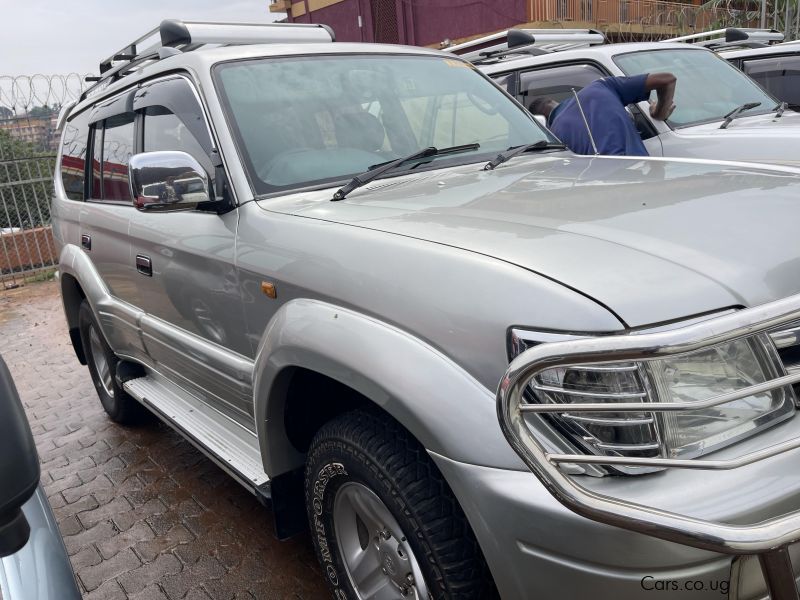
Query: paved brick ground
143,514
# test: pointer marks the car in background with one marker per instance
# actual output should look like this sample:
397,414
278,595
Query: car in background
33,560
776,68
721,113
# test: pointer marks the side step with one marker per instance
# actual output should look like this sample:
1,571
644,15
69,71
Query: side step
224,441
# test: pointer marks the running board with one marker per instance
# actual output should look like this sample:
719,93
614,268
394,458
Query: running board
231,446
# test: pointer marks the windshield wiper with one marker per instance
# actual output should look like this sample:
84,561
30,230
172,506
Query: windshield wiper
379,169
782,106
514,150
737,111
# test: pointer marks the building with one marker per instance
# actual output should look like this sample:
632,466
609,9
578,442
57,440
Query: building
39,131
434,22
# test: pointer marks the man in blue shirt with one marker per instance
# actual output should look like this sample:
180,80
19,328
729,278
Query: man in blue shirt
603,103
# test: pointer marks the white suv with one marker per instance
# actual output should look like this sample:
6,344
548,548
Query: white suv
709,89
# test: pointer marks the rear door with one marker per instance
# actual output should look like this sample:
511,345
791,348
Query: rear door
105,218
193,330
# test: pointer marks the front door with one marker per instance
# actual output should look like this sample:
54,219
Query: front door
187,280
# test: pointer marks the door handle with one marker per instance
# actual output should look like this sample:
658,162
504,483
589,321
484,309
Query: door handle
143,265
86,241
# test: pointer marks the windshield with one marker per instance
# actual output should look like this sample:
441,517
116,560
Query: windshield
317,120
708,87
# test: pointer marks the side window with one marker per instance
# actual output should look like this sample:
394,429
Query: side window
164,130
556,83
503,80
73,156
174,120
113,154
779,75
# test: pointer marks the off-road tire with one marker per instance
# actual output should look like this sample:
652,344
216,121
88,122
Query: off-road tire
376,451
120,406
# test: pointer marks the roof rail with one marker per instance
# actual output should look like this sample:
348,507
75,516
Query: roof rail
174,36
731,37
525,41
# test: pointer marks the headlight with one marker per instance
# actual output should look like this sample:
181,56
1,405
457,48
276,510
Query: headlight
688,378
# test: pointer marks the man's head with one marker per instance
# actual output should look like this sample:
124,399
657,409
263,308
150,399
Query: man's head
543,106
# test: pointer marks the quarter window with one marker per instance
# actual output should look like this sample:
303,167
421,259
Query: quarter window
73,156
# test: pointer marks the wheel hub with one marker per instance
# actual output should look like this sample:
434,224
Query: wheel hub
379,562
394,562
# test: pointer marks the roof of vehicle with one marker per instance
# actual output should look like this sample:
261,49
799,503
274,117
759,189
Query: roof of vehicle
204,58
784,48
606,51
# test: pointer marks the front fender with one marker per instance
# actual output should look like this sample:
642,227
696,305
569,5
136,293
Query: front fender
441,404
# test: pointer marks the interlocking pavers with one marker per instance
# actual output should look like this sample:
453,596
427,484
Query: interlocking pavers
144,515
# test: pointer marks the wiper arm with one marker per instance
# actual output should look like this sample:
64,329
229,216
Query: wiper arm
737,111
514,150
782,106
376,171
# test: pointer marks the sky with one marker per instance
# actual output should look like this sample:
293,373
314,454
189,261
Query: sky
73,36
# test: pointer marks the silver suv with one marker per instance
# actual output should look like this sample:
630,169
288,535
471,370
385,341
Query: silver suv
316,261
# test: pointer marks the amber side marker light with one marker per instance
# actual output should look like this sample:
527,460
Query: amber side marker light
269,289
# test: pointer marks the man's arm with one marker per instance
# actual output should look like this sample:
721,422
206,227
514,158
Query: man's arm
664,85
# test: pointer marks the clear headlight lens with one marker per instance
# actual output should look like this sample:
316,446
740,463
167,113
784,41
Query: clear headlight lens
689,379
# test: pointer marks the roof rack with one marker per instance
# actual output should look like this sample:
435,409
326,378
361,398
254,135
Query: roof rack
732,37
499,45
174,36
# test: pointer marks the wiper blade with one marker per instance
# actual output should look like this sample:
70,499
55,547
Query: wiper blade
782,106
514,150
376,171
737,111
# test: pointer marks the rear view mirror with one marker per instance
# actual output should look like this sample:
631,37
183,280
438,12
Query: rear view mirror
167,181
19,466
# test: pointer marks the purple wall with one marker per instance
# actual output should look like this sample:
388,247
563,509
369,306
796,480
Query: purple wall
421,22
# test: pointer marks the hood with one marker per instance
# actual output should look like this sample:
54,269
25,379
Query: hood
653,240
759,138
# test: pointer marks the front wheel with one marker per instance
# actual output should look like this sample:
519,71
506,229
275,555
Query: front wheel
384,522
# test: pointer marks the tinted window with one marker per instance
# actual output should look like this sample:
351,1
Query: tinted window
556,83
73,156
317,120
117,151
164,130
780,75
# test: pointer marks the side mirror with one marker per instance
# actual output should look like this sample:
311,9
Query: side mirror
167,181
19,466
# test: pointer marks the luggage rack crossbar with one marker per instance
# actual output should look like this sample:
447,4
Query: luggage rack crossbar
767,539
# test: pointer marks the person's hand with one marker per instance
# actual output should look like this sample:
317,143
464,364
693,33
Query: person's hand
661,115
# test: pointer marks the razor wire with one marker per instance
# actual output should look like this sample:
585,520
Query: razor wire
29,109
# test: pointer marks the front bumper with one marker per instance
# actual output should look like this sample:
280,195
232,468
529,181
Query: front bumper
537,548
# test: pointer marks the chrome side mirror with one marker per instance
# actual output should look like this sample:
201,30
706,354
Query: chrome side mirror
167,180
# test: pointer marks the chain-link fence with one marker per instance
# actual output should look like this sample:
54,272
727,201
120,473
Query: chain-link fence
29,107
